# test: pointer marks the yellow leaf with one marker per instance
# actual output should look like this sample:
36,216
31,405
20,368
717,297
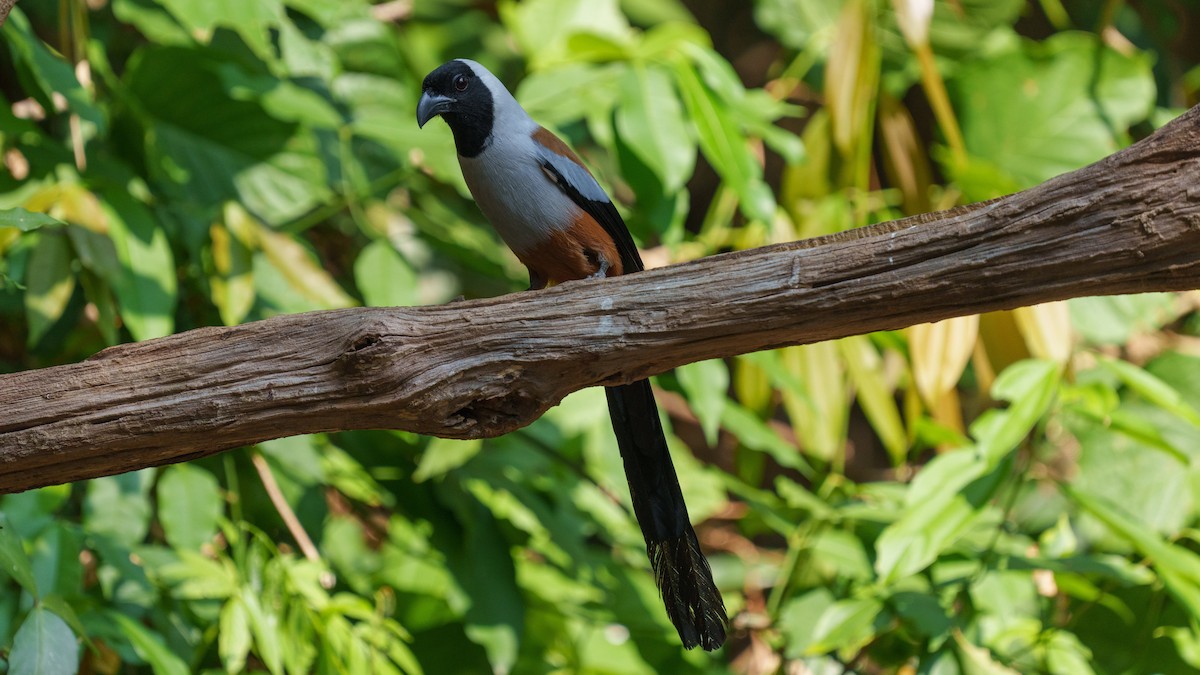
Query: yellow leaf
1047,330
940,352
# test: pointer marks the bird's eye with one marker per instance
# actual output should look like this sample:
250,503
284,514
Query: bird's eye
461,82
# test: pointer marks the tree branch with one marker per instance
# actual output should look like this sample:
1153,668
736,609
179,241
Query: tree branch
1129,223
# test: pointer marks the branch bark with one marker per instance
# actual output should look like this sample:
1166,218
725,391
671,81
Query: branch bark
1129,223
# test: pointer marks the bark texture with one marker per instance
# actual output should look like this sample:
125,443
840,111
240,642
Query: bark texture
1129,223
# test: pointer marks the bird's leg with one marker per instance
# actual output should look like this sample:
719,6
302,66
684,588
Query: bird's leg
602,271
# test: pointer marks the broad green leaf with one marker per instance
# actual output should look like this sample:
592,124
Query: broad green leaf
1178,567
443,455
544,28
706,384
651,122
13,559
204,148
150,646
189,505
1030,386
1114,319
384,277
153,21
146,288
1066,654
44,645
118,507
26,221
253,20
845,625
49,284
798,619
572,92
1046,108
55,559
930,525
1154,487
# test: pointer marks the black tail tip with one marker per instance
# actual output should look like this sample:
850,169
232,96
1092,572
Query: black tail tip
689,594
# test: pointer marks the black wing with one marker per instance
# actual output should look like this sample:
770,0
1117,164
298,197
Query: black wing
578,184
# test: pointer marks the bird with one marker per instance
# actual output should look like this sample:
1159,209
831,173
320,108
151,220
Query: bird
549,209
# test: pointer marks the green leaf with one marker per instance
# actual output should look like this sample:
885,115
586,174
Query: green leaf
1153,389
706,383
149,646
949,497
44,645
45,74
55,560
26,221
1030,386
384,277
724,145
798,619
234,639
443,455
264,624
845,625
253,21
1178,567
544,28
13,559
49,283
1113,320
755,434
189,505
652,124
117,507
205,148
146,288
1047,108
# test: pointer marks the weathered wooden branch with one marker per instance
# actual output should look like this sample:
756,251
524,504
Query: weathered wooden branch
1129,223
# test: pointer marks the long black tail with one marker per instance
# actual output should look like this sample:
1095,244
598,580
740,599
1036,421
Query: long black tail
680,569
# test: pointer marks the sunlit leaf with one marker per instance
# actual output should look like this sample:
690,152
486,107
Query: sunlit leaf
652,123
384,277
189,504
146,288
49,284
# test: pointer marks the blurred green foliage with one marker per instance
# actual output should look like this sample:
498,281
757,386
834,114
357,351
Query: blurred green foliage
1009,493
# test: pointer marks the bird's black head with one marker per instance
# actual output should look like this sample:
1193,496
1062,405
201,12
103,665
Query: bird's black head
457,92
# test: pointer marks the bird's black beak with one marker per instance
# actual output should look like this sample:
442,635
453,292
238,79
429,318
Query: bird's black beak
430,106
